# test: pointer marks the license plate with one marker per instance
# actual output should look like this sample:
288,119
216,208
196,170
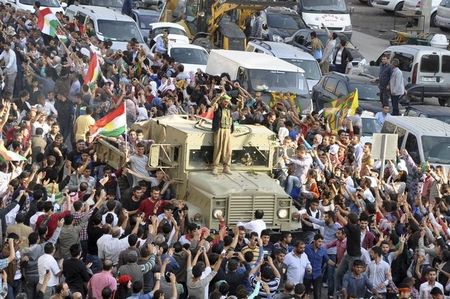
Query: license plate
428,79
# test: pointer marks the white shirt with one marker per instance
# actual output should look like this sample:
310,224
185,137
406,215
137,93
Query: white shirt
425,289
378,275
10,61
110,248
257,226
205,273
10,218
115,219
296,267
48,262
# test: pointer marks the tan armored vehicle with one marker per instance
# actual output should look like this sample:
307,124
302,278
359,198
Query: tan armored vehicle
183,148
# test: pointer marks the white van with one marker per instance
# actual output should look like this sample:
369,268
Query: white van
54,5
261,72
108,24
334,14
421,65
290,54
425,139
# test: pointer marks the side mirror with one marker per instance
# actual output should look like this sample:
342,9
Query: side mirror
372,63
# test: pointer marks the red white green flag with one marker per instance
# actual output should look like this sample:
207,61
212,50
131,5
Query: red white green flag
10,155
111,125
47,22
93,70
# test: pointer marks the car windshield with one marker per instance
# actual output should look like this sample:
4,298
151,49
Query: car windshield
189,56
370,126
118,30
46,3
268,80
324,5
444,118
107,3
285,21
311,67
171,30
146,20
367,92
436,149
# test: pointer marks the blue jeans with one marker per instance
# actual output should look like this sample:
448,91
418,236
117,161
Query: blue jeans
291,181
330,275
14,289
395,109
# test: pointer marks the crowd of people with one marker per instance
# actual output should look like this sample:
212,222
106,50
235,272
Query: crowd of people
74,227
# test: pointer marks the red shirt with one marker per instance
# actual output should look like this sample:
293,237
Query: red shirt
148,207
52,223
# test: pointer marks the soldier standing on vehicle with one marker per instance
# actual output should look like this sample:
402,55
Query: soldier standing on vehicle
384,77
222,127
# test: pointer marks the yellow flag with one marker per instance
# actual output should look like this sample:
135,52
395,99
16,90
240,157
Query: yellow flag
339,109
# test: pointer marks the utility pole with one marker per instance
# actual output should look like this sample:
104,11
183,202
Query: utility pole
424,20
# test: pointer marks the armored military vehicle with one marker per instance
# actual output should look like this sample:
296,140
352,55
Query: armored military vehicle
183,148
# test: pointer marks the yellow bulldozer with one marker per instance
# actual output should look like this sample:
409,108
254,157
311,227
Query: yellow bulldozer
217,23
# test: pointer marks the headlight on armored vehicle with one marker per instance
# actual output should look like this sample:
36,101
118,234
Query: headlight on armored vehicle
217,213
283,213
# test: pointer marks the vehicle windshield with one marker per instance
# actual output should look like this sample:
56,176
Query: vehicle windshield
367,92
46,3
311,68
285,21
436,149
189,56
268,80
370,126
444,118
107,3
118,30
146,20
324,5
171,30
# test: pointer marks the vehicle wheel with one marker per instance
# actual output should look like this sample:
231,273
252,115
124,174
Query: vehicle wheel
442,102
433,20
370,2
388,11
398,7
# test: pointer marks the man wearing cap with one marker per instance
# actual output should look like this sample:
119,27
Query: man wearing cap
222,127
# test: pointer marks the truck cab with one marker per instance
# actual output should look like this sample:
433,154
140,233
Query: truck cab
183,148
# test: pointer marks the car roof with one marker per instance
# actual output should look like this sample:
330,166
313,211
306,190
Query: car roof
282,50
185,45
430,109
359,77
100,12
424,125
167,24
281,10
416,48
252,60
147,12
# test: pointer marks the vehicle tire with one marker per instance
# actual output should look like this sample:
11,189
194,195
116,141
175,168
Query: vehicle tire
388,11
433,20
398,7
370,2
443,101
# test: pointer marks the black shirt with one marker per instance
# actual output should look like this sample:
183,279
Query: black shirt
76,274
94,233
130,205
353,233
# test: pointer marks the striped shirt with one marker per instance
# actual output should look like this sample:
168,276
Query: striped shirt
273,286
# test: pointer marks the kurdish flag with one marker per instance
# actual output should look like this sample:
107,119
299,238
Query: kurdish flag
10,155
111,125
93,70
47,22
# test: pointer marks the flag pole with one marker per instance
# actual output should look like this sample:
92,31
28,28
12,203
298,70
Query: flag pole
126,130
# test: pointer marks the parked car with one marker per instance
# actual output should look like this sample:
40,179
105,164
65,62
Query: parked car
177,33
290,54
389,5
280,22
145,17
414,5
421,65
302,40
115,5
336,85
27,5
192,57
443,15
430,111
368,2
